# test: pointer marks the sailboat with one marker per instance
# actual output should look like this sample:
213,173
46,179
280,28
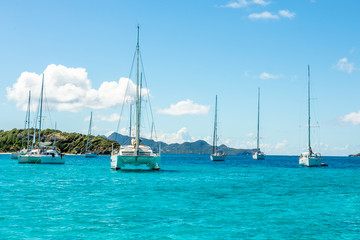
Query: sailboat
88,152
136,153
309,158
216,155
23,150
42,154
258,155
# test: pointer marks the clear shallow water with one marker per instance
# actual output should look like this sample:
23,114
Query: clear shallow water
190,198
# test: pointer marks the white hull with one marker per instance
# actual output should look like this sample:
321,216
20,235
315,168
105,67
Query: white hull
310,161
29,159
91,155
41,159
217,157
259,156
15,155
119,162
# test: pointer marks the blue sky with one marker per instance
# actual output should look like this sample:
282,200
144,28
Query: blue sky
192,50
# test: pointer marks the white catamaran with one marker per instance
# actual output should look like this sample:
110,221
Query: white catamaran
42,154
258,155
24,150
216,155
309,158
88,152
135,154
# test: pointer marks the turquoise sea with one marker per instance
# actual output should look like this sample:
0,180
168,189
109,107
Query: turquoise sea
190,198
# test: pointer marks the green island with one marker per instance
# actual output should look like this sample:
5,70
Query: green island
70,143
75,143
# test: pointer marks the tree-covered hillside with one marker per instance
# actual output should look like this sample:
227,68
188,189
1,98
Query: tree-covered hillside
74,143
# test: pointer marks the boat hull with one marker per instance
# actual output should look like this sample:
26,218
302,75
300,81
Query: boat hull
29,159
258,156
217,158
120,162
90,155
15,155
41,159
310,161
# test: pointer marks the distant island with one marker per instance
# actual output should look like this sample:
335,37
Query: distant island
71,143
354,155
197,147
74,143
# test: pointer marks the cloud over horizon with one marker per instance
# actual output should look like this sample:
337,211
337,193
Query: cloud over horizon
69,89
266,76
344,65
268,15
244,3
185,107
352,118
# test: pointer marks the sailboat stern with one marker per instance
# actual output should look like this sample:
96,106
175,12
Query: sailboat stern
128,159
310,160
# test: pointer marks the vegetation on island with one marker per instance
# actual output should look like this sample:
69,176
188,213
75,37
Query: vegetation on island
197,147
354,155
75,143
71,143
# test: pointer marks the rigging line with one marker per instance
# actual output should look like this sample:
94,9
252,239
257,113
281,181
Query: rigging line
152,116
126,90
48,110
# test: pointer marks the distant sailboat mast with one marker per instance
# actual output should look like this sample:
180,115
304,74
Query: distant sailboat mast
28,121
130,123
41,102
137,96
55,136
309,146
88,140
215,128
258,124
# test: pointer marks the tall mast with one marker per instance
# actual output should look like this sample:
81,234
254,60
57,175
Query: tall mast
41,101
215,128
130,124
28,121
309,109
137,94
258,120
55,136
88,141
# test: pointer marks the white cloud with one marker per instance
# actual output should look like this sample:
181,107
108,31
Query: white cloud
179,137
186,107
353,118
250,135
281,144
244,3
266,76
344,65
261,2
263,15
287,14
69,89
346,147
112,118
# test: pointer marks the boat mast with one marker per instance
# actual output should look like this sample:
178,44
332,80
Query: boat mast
258,120
137,95
55,136
215,128
130,124
309,110
28,121
88,141
41,101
